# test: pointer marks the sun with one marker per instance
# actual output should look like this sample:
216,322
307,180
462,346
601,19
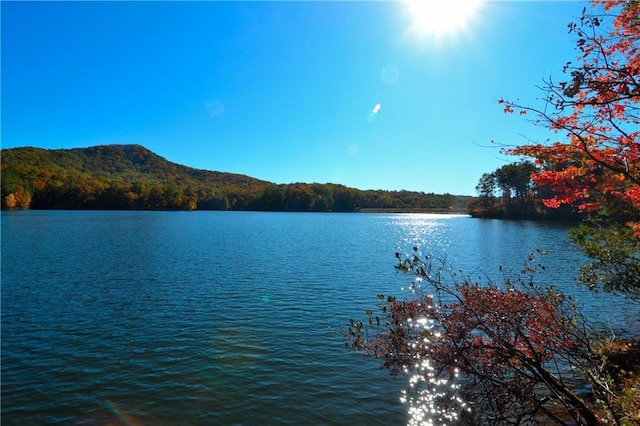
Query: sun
440,18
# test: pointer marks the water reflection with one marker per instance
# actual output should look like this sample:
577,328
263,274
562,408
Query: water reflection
483,249
432,395
424,230
432,399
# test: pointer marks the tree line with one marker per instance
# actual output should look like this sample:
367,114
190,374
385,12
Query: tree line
510,192
130,177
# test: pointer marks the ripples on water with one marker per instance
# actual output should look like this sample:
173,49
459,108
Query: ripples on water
230,318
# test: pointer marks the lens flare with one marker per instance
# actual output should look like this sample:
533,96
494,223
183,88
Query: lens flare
374,112
390,74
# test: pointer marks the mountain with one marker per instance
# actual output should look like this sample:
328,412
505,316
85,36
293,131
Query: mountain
132,177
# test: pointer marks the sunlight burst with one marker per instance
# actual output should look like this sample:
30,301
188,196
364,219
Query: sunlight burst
440,17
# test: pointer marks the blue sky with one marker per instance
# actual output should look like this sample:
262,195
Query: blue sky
342,92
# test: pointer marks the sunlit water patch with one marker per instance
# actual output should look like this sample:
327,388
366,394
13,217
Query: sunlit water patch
431,396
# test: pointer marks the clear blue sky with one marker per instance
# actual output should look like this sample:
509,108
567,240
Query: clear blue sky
342,92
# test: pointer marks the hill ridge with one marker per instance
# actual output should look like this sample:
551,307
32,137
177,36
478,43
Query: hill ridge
130,176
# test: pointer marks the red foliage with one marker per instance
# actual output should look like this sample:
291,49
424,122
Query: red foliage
597,110
507,342
489,326
486,329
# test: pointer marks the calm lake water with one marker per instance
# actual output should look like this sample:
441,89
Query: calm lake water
228,318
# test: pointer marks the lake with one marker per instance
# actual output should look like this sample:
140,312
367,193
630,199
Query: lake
229,318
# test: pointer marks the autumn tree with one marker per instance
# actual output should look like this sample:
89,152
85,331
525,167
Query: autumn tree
506,350
595,165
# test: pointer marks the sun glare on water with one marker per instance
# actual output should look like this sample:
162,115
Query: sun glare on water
439,18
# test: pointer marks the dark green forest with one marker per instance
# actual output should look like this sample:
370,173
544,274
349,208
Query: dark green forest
130,177
510,193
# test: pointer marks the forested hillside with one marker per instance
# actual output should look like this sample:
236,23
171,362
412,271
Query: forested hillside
132,177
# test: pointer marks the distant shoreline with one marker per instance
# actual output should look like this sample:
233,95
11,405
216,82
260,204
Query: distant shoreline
363,210
411,210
